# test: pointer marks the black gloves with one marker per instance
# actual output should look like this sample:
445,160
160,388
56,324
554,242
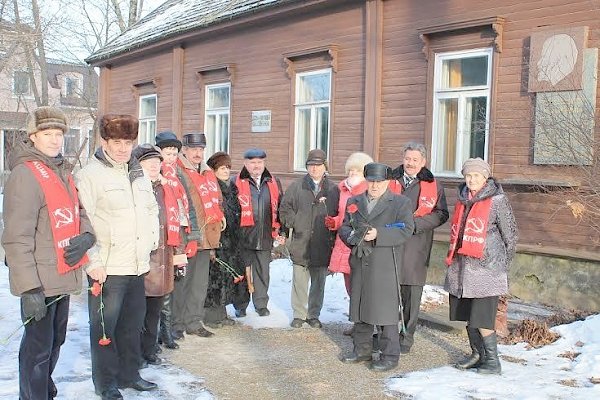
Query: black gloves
34,304
77,247
358,235
362,250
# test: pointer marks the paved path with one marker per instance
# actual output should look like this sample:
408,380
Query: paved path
244,363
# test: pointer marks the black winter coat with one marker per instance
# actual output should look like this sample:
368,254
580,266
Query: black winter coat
301,210
258,237
417,248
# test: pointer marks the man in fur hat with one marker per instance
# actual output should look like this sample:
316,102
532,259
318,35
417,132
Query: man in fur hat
46,235
415,181
124,213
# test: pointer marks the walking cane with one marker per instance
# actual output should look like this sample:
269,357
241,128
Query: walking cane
403,329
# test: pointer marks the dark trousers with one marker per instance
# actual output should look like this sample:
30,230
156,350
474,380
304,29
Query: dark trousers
259,261
388,340
190,293
411,303
150,332
124,310
40,347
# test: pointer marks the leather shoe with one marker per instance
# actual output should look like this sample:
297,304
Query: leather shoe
314,323
404,349
177,334
202,332
263,312
110,394
153,359
354,358
297,323
240,313
383,365
141,385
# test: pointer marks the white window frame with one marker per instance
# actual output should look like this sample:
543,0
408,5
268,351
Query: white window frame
213,141
29,91
300,159
462,94
146,136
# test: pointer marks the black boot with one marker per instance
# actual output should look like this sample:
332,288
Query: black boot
165,335
477,350
490,363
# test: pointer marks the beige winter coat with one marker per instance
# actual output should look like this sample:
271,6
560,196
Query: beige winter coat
124,213
27,237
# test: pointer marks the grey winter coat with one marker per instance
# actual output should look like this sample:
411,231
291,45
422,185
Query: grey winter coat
417,248
301,210
375,277
471,277
27,238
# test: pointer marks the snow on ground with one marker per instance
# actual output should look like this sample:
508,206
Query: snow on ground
545,373
537,378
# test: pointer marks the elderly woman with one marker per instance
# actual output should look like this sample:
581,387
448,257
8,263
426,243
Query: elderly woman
483,238
222,289
353,185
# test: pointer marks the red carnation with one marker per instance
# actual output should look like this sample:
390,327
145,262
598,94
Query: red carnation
104,341
352,208
96,289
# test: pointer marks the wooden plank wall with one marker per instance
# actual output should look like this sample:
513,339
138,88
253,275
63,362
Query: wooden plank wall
405,98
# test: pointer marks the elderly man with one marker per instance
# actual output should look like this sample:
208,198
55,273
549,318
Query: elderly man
124,213
41,216
376,226
205,225
306,203
259,194
430,210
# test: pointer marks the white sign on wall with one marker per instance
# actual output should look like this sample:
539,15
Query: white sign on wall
261,121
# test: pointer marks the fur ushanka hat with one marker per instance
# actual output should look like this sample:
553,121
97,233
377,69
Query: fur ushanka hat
46,117
114,126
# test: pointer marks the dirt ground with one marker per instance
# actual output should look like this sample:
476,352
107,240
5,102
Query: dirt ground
244,363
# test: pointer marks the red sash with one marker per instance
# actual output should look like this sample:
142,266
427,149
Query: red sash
172,208
427,196
245,199
475,232
63,211
208,189
170,173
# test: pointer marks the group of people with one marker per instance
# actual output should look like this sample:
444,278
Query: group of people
157,228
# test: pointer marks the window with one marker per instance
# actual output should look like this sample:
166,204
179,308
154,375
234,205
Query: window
72,87
90,143
461,109
312,109
21,83
216,120
71,142
147,127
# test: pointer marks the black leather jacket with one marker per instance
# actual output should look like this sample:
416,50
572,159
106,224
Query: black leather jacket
258,237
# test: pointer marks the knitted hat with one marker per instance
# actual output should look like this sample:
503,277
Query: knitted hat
316,157
358,161
46,118
167,139
146,151
219,159
114,126
476,165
